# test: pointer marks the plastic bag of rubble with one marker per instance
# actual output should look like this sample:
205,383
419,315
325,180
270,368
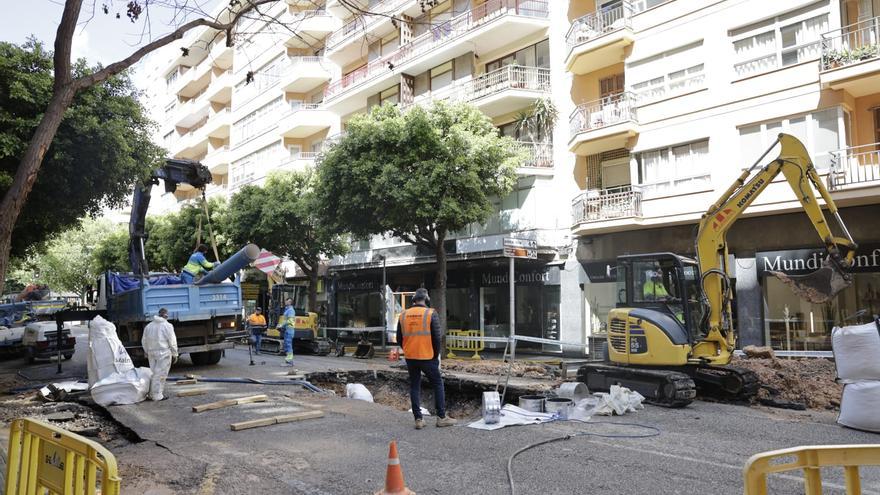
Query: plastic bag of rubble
859,406
107,356
857,352
130,387
618,400
358,391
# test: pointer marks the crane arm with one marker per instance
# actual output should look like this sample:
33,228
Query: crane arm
711,243
174,172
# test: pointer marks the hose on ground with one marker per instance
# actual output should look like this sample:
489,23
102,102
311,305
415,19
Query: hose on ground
653,431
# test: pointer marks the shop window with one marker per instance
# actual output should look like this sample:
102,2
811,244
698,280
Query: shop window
780,42
537,312
675,169
359,309
819,131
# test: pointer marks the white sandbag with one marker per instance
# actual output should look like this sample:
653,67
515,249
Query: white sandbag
107,356
859,406
123,388
358,391
618,400
857,352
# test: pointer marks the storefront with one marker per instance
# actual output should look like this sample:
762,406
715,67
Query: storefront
792,324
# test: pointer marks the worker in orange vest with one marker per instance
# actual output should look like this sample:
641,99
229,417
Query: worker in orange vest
418,332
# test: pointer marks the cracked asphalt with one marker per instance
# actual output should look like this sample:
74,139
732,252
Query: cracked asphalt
699,449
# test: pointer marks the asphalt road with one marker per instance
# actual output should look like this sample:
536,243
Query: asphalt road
699,449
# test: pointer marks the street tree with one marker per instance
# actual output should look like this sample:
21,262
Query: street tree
281,217
173,237
102,146
419,175
68,82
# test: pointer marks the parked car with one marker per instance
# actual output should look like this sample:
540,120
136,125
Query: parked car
40,341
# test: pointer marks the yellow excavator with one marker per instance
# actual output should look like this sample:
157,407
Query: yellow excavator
672,333
306,336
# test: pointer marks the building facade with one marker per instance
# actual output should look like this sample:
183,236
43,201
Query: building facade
661,105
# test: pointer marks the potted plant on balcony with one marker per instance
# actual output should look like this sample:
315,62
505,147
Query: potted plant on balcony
535,125
834,58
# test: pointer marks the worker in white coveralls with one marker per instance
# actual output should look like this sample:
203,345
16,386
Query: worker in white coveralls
160,344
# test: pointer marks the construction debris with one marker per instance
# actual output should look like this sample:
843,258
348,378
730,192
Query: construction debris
808,381
760,352
229,403
520,369
287,418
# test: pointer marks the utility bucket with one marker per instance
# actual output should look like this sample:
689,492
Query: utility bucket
364,350
820,286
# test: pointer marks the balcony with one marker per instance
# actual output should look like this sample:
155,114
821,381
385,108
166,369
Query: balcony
193,110
300,161
599,39
219,123
498,92
304,74
540,158
346,44
851,58
220,89
303,28
855,167
600,205
603,124
217,160
304,119
490,26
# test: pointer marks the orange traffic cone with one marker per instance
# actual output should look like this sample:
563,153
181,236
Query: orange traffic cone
394,484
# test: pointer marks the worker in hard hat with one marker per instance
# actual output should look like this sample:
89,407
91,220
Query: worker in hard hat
257,324
288,327
160,345
197,265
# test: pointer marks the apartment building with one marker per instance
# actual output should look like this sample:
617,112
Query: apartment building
661,104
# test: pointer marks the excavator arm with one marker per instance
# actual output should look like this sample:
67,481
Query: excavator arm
711,243
174,172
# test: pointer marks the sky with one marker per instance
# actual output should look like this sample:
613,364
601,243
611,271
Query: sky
100,38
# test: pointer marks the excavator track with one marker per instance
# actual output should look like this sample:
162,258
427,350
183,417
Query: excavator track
728,383
660,387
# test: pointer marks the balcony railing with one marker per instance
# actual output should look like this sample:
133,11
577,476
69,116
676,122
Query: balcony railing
361,23
606,204
596,24
540,154
439,35
851,44
854,165
490,83
604,112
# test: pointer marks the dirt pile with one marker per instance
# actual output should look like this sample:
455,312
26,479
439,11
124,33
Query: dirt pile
524,370
809,381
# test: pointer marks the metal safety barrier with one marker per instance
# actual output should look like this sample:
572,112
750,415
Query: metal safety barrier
455,342
810,459
46,459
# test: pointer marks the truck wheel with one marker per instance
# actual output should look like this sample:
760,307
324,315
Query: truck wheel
68,356
206,358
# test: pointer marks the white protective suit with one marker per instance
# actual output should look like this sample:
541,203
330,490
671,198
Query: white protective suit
160,345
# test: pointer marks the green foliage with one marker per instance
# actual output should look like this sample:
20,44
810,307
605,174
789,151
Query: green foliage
281,217
101,149
540,118
111,252
173,237
68,261
417,175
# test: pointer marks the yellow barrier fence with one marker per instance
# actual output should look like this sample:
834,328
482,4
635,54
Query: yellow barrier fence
455,343
44,458
810,460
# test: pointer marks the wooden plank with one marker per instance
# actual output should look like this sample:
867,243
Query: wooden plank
229,402
192,392
286,418
189,381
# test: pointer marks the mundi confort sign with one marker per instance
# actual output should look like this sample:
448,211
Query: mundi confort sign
804,261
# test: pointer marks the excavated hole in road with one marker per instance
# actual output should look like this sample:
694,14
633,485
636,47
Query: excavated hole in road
464,397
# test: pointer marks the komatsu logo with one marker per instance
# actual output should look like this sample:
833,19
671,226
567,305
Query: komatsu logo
745,199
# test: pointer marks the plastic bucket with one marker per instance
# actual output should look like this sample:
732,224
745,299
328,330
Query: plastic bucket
559,405
532,403
573,390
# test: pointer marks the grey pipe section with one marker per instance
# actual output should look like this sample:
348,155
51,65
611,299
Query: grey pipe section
236,262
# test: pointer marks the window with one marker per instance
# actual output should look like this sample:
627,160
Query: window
245,169
675,169
681,72
819,132
441,76
257,121
170,78
780,42
390,95
610,86
537,55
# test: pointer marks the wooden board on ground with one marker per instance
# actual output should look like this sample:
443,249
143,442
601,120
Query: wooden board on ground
188,381
230,402
192,392
286,418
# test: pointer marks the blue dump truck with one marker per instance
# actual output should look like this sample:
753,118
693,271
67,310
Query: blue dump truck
206,314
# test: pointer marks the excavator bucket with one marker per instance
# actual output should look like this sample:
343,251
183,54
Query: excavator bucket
364,349
817,287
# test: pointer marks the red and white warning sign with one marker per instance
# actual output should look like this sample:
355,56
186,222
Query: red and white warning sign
266,261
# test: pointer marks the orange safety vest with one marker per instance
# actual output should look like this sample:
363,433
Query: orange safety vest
415,324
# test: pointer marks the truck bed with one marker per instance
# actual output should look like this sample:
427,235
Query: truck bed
183,302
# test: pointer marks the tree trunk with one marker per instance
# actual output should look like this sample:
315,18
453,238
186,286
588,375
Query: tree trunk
313,288
440,287
26,174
